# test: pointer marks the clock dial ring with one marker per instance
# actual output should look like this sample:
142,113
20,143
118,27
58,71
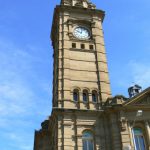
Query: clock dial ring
81,32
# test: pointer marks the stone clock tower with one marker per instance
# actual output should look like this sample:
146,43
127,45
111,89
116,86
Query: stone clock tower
80,65
80,76
84,115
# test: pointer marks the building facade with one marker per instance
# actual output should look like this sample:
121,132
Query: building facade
85,116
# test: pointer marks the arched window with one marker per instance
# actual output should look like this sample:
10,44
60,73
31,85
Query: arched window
139,141
75,95
94,96
87,138
85,96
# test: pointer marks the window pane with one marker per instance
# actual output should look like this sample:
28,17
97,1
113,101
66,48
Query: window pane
73,45
84,97
88,141
141,142
84,145
94,97
82,46
75,96
137,131
139,139
91,46
87,135
137,143
90,145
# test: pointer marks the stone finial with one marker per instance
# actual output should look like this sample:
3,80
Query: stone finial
66,2
79,3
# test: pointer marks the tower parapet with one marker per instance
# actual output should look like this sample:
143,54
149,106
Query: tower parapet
79,3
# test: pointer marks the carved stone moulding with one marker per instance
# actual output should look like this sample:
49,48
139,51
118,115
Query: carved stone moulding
79,21
122,123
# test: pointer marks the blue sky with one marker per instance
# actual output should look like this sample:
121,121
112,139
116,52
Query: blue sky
26,60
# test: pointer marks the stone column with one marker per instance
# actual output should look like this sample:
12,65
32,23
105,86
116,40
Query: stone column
148,133
80,100
131,135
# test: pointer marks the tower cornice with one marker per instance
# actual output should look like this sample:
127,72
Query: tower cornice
65,8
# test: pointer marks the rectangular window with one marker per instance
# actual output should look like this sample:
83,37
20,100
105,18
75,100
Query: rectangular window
91,47
75,96
73,45
82,46
138,139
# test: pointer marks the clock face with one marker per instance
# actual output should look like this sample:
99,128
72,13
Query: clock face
81,33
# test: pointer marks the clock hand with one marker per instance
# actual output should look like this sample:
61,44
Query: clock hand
78,31
81,31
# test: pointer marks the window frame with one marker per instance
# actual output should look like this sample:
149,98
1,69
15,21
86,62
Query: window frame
76,91
82,46
96,96
91,47
138,138
85,96
88,141
73,45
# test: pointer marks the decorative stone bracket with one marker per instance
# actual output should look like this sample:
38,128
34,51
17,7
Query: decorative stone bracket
123,124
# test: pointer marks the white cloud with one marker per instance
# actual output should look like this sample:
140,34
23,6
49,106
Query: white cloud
134,72
17,79
140,73
15,98
15,94
19,140
21,91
